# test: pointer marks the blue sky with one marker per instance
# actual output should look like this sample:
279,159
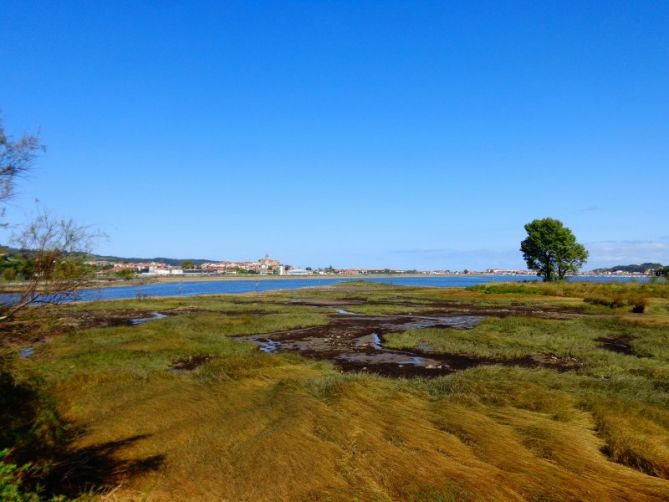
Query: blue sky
368,133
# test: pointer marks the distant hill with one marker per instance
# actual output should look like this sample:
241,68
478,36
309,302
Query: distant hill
640,268
169,261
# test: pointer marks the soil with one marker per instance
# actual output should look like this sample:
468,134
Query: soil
455,308
188,363
355,343
107,318
620,344
327,303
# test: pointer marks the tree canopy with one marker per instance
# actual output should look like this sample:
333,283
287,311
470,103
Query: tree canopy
663,272
16,158
551,249
50,263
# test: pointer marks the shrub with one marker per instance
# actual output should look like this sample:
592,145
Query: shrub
11,480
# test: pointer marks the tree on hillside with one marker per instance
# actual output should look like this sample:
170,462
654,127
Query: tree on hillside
551,249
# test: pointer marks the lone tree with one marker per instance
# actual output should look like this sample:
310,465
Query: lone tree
551,249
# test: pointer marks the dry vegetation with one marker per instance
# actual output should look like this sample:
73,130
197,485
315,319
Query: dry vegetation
242,425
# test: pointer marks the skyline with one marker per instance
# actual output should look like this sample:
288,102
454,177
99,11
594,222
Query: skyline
402,135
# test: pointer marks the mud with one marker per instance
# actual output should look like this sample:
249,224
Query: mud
188,363
620,344
326,303
443,307
355,343
556,313
187,309
156,316
108,318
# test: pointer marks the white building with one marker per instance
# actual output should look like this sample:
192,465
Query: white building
298,271
164,271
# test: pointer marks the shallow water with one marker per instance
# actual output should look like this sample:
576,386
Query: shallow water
141,320
372,341
268,346
398,358
247,286
354,342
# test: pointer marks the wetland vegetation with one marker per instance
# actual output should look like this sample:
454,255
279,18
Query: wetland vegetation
366,390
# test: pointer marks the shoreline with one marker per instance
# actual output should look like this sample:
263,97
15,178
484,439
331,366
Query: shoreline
10,288
118,283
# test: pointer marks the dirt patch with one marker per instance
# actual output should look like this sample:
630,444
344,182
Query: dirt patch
619,344
107,318
505,311
187,309
559,363
44,322
443,307
326,303
156,316
188,363
355,343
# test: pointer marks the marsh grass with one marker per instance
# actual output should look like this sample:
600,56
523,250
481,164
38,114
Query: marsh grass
251,426
633,295
517,337
502,338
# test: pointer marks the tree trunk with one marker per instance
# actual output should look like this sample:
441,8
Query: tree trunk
548,274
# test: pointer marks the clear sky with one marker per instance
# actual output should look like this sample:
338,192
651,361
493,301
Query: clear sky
364,133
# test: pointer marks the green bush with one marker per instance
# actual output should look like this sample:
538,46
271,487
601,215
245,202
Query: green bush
126,274
11,479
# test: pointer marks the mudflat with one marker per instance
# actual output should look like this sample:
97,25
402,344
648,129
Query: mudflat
360,390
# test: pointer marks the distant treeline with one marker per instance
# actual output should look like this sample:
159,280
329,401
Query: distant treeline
169,261
13,252
640,268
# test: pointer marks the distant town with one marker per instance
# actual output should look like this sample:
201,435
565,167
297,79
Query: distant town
269,266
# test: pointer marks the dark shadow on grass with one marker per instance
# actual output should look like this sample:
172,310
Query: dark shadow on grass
635,461
32,429
96,468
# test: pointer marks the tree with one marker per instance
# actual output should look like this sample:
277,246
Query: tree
50,265
126,274
55,250
551,249
188,264
16,158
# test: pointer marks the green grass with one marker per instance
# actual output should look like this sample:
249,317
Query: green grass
252,426
517,337
507,338
583,289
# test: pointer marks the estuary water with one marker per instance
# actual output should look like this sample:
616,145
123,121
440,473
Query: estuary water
231,286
